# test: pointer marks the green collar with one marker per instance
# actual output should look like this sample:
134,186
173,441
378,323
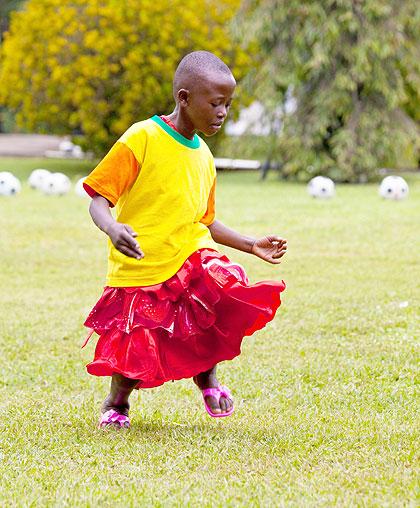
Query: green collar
190,143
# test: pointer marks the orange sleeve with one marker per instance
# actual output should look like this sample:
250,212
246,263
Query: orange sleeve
210,215
116,173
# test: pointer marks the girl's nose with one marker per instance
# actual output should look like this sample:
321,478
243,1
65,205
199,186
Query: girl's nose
222,112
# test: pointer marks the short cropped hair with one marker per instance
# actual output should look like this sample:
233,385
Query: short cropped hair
194,65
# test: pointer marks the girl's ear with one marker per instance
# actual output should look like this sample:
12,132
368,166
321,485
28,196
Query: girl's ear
183,96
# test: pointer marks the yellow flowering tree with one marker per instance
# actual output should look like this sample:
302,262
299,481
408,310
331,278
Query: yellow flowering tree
96,66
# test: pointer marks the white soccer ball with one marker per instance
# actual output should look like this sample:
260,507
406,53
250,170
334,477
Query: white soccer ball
9,184
79,190
393,187
37,177
77,151
56,184
321,187
66,146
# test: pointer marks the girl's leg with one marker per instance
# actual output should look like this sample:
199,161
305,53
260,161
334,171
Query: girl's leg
208,379
121,388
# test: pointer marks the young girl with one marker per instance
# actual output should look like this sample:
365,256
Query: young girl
173,307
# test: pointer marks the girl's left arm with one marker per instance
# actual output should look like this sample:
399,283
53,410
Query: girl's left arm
270,248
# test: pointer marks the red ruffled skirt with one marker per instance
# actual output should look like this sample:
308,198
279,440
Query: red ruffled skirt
184,325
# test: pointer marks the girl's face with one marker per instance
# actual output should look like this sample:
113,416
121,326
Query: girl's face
208,102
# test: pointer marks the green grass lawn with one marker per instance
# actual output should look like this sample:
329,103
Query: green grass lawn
326,397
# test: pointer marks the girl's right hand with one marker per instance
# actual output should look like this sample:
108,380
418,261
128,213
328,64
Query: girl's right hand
123,238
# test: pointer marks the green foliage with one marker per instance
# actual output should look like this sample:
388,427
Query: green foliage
7,123
6,7
96,66
353,68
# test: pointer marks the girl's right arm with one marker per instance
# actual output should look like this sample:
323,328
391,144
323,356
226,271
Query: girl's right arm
122,235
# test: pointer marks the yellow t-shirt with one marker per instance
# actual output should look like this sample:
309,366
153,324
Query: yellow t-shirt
163,186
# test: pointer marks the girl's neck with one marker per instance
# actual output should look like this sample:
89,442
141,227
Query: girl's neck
183,126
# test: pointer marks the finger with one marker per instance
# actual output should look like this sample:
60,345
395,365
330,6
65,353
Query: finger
128,251
274,261
128,239
138,253
276,240
268,258
279,253
281,246
129,243
130,230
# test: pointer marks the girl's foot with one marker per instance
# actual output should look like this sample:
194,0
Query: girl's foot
108,404
113,415
115,407
208,380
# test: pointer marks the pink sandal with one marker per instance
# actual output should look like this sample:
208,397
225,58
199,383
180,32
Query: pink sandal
217,393
112,418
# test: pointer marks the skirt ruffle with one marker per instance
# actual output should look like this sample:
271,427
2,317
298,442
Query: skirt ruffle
180,327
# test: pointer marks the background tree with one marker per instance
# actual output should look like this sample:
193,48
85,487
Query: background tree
6,7
96,66
353,67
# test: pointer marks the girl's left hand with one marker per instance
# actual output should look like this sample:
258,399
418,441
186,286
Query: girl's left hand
270,248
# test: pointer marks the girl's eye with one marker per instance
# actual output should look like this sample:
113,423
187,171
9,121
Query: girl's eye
217,105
